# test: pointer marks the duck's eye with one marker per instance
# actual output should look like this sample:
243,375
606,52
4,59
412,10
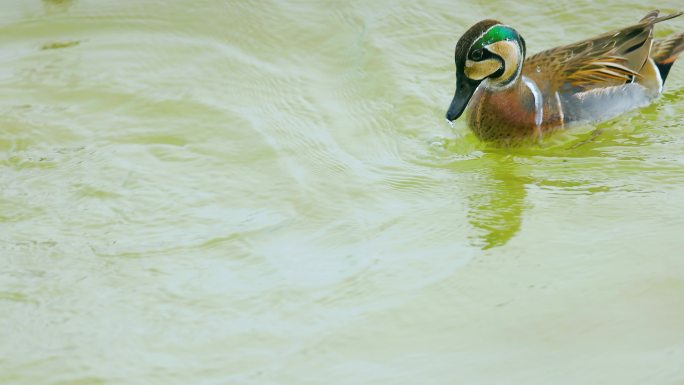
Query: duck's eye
477,54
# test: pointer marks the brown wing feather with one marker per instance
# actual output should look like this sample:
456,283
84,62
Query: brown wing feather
610,59
667,50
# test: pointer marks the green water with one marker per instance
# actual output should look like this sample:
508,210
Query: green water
225,192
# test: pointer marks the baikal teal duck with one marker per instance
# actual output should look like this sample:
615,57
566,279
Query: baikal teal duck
512,98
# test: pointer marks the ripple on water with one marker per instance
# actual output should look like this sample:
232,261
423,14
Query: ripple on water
248,192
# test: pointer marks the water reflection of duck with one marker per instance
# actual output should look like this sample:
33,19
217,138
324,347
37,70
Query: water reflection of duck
512,98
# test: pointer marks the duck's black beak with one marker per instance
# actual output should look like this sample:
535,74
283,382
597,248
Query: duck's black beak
464,91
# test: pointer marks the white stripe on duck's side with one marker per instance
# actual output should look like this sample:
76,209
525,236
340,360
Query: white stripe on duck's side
538,102
560,110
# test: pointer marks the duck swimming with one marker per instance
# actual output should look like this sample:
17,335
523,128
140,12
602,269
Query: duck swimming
512,98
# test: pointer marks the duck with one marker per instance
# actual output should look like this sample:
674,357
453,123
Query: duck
512,98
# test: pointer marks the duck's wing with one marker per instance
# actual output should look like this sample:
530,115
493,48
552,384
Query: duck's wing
666,51
611,59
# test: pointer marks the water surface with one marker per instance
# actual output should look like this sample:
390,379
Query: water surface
224,192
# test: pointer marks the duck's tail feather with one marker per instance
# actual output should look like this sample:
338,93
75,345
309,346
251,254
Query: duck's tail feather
666,51
652,17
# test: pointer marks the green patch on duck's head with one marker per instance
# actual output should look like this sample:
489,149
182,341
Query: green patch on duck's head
495,34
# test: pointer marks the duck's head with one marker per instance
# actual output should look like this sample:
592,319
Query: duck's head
489,53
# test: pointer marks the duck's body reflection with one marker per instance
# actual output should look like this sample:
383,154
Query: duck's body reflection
496,208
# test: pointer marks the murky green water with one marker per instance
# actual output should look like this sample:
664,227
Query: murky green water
223,192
